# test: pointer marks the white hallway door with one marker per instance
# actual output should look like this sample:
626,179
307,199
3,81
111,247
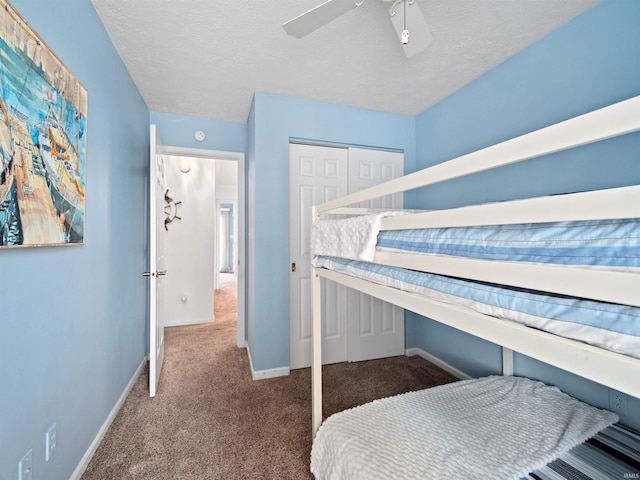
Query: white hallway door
156,261
355,326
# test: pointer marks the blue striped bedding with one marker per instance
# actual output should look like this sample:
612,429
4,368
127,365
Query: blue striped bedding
612,453
611,243
606,325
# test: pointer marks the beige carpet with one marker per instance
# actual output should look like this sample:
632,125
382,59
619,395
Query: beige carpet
210,420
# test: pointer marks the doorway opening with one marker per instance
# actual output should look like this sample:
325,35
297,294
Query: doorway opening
227,212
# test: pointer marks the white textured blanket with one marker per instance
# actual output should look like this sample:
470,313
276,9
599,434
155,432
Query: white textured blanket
353,238
489,428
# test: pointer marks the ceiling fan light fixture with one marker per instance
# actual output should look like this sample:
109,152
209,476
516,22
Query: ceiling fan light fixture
404,36
411,21
329,10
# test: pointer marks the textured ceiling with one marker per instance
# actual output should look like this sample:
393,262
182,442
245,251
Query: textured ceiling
206,58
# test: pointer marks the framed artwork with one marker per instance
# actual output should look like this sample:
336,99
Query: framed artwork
43,121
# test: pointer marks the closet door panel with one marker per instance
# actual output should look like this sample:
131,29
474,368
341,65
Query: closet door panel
376,328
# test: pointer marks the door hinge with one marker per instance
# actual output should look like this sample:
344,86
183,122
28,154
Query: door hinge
293,267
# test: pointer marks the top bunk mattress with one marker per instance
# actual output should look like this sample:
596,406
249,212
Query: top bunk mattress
612,244
605,243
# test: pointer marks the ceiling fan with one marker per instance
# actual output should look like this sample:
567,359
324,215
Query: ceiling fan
406,17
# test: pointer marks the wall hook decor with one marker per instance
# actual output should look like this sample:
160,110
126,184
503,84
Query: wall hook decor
170,210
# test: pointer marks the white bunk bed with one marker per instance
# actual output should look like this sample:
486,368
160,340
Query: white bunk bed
615,370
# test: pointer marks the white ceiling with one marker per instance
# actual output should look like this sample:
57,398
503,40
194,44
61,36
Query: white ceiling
206,58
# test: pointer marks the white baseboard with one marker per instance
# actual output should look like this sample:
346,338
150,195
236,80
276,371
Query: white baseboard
269,373
183,323
436,361
86,458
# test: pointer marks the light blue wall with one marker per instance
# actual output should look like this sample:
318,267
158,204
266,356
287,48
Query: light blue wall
589,63
178,130
73,319
276,119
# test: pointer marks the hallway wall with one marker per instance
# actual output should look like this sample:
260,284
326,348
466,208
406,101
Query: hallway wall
190,241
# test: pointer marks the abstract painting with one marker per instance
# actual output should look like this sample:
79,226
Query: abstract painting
43,121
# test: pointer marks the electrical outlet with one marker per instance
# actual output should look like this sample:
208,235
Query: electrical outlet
617,402
50,440
25,466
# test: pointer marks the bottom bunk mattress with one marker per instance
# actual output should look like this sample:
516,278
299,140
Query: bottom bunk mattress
493,427
605,325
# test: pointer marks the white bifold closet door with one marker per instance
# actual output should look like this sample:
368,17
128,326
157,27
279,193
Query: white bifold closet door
355,326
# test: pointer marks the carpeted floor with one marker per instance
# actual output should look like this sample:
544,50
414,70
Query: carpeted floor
210,420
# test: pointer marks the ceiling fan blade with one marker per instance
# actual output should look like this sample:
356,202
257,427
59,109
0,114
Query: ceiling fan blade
420,37
319,16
